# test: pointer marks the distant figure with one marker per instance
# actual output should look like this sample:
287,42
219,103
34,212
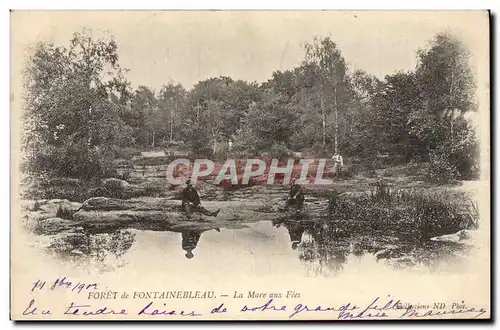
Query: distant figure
338,164
191,201
295,196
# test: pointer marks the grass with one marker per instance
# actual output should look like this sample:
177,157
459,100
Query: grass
415,213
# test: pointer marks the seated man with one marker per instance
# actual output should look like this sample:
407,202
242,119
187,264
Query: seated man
191,201
295,196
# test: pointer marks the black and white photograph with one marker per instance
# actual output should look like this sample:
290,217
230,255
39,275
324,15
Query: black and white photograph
250,165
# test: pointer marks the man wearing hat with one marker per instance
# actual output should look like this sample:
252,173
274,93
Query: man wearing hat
191,201
295,196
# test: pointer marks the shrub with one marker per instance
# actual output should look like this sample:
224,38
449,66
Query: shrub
280,151
42,187
125,152
441,169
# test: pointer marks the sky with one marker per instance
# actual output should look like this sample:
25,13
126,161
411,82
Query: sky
185,47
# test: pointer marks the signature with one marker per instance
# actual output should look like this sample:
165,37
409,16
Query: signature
347,311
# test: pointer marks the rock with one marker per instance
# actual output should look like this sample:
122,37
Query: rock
114,183
112,204
31,205
52,226
127,217
181,227
67,210
53,205
116,188
38,216
77,252
464,236
105,214
154,154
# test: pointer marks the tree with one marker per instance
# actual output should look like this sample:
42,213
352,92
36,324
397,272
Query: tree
391,107
71,120
151,118
271,121
172,101
364,134
333,86
447,86
214,109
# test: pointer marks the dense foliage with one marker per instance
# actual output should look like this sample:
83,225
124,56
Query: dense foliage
80,111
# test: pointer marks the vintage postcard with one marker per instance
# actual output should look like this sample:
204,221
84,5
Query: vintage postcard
250,165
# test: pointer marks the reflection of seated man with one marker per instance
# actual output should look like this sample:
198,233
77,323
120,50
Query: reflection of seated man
190,240
295,230
295,196
191,201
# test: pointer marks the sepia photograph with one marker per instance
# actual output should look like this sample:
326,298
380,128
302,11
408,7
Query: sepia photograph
250,165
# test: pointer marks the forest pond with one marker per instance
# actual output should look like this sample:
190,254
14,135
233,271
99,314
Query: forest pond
299,247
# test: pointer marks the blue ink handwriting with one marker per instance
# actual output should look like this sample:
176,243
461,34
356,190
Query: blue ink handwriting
147,311
347,311
66,284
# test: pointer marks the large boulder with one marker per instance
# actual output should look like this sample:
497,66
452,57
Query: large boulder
464,237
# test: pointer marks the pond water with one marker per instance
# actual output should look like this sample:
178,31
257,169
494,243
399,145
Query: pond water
290,247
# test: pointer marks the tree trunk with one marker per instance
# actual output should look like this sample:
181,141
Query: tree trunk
171,132
198,112
153,142
91,122
323,114
336,118
171,124
215,141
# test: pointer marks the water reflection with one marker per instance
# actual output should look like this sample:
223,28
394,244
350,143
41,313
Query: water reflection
321,247
295,230
103,249
316,247
190,239
325,247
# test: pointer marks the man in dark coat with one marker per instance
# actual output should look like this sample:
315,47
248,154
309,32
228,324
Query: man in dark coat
295,196
191,201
